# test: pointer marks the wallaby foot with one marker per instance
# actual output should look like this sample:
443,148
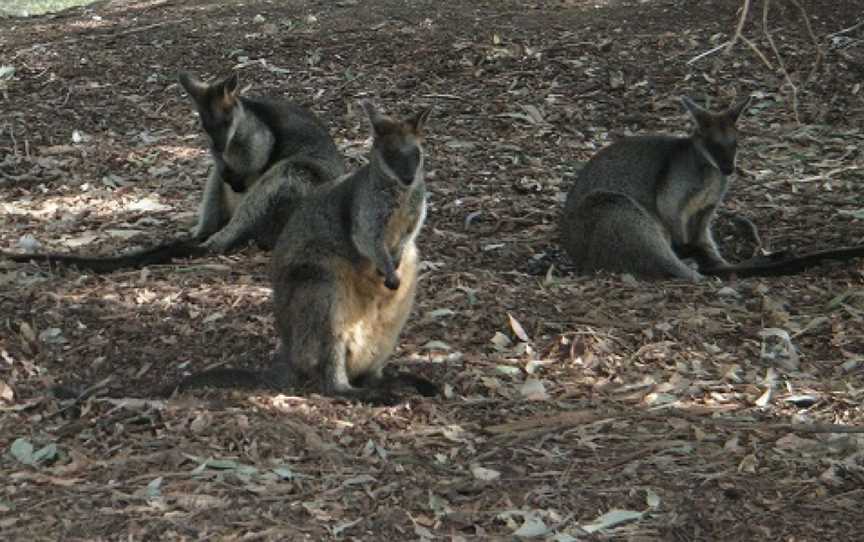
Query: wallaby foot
373,395
705,257
424,386
389,380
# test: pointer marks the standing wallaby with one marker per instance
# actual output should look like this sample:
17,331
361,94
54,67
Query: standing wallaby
345,274
266,154
644,203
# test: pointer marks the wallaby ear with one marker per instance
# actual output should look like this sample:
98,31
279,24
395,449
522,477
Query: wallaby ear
230,89
738,108
700,116
375,117
418,122
193,86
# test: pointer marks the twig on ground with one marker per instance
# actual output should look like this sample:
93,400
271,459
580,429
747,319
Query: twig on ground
766,8
820,56
745,10
852,28
707,53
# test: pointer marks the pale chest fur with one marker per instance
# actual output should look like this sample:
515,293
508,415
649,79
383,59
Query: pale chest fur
372,316
702,203
685,207
404,224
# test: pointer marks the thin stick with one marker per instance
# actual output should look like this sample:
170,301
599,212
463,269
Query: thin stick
758,53
846,30
744,12
766,8
707,53
819,55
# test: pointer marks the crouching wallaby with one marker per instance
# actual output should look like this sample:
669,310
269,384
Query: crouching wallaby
345,275
266,154
643,204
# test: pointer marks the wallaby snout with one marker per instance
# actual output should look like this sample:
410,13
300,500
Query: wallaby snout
724,156
404,160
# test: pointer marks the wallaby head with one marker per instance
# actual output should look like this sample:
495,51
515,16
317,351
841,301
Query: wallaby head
216,104
716,135
236,135
397,150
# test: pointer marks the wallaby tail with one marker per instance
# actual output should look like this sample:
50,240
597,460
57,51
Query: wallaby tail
164,253
224,377
782,264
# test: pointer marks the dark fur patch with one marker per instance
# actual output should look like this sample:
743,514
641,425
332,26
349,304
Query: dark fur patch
306,272
404,161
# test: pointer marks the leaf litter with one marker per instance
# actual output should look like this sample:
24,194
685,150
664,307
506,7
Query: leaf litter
573,405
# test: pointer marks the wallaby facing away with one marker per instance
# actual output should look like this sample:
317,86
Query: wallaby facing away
345,274
644,203
266,154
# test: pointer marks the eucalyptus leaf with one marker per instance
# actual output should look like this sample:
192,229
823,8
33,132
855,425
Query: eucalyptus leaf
22,450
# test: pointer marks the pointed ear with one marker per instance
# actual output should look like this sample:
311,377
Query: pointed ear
735,111
418,122
375,117
193,86
230,89
700,116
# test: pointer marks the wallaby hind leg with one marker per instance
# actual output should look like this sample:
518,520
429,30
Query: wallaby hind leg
211,214
611,231
705,250
258,214
308,318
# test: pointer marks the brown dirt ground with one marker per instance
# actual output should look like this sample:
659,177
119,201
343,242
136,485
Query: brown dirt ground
655,397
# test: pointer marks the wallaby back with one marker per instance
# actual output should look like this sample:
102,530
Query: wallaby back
642,200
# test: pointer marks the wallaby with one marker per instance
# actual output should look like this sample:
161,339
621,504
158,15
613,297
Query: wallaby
644,203
345,274
266,154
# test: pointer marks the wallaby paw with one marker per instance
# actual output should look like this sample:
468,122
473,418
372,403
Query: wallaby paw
392,282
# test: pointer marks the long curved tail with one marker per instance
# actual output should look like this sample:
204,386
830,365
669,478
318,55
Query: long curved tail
227,377
164,253
785,265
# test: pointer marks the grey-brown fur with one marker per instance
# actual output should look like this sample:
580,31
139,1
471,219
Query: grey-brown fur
644,203
345,274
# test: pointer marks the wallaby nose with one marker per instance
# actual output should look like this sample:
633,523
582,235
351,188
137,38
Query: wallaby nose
727,169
